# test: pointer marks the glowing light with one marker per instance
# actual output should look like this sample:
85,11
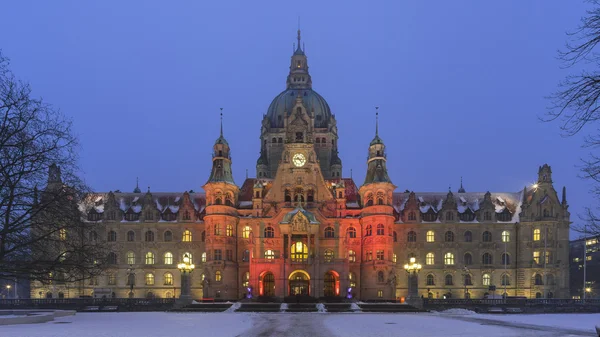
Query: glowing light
588,290
534,185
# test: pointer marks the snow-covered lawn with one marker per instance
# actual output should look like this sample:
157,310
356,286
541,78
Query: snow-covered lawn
569,321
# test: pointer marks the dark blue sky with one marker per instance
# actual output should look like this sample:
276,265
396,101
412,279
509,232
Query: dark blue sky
460,84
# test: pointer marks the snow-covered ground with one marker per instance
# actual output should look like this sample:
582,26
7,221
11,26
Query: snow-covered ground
452,323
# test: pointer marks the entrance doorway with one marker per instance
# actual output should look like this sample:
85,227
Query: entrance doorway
299,283
268,284
330,288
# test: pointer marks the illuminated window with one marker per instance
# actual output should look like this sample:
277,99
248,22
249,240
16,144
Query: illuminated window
329,233
369,255
189,255
394,258
187,236
328,255
229,230
380,293
449,236
168,258
351,256
246,232
352,279
536,257
449,259
537,234
379,255
203,257
130,258
269,254
218,276
246,280
112,279
487,280
62,234
430,258
299,252
269,232
351,232
505,236
149,279
430,236
149,258
217,229
411,237
168,279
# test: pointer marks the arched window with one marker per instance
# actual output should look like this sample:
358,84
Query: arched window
430,280
168,277
246,232
395,236
112,236
228,200
149,258
449,280
203,257
550,295
505,280
229,230
430,258
203,236
168,258
468,236
486,258
487,280
269,254
299,252
112,258
351,256
380,229
430,236
412,216
369,198
218,276
467,280
449,236
217,229
93,236
269,232
505,258
168,236
380,277
468,259
505,236
449,216
410,237
487,236
329,233
449,259
188,255
328,256
149,236
130,236
351,232
149,279
537,234
187,236
130,258
369,230
538,295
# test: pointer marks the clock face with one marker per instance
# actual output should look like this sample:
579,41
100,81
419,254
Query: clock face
299,160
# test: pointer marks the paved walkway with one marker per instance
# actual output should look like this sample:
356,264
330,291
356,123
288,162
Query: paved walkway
287,325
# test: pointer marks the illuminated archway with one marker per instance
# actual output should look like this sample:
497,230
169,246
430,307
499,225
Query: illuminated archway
299,283
267,284
331,284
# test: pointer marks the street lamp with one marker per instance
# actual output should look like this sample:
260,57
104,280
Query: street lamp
412,269
186,268
130,279
8,290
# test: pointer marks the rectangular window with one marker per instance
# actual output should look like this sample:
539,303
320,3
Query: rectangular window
549,257
536,257
589,258
394,258
380,293
229,255
369,256
218,256
380,255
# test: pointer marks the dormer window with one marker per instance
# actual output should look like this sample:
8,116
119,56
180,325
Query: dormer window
220,153
298,64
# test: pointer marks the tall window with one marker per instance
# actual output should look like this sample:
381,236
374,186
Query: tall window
328,256
130,236
149,258
352,279
369,230
203,257
395,236
379,255
62,234
449,259
505,280
112,258
149,236
486,258
430,258
380,229
430,236
269,232
536,257
487,236
246,232
112,236
468,259
380,277
218,255
449,280
299,252
467,280
369,255
351,256
449,236
505,258
537,234
505,236
130,258
229,230
149,279
203,236
538,280
187,236
487,280
394,258
218,276
168,279
217,229
449,216
468,236
411,237
412,216
329,233
351,232
246,256
430,280
168,258
168,236
112,279
229,255
487,216
269,254
246,280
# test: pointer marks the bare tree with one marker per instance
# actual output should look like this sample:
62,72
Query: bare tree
575,103
43,235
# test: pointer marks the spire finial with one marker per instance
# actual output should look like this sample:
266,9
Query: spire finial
350,173
376,121
137,185
221,122
246,173
461,189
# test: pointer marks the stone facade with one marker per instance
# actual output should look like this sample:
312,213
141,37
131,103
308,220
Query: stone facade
299,227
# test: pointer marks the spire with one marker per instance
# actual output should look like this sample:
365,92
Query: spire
461,189
376,121
137,186
221,139
221,122
299,78
564,195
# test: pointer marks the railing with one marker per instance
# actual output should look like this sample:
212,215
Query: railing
127,304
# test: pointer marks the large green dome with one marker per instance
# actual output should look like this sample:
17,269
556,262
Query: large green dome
284,103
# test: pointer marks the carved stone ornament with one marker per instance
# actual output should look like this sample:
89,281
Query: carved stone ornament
299,223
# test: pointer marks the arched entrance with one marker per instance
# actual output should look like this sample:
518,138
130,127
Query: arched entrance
268,284
331,285
299,283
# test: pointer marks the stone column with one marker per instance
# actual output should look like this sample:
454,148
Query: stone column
186,286
413,290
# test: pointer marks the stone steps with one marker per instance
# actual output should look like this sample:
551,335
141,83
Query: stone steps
206,307
259,307
301,307
338,307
